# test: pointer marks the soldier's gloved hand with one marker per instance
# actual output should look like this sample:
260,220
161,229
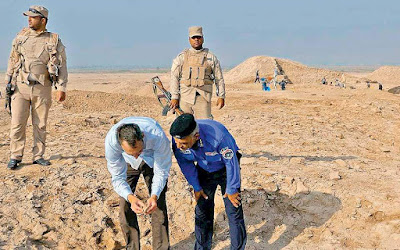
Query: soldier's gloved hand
220,103
60,96
9,90
174,104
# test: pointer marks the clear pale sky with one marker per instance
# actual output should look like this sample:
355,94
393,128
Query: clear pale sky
138,34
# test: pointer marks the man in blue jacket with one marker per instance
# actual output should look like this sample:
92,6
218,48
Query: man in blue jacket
208,156
134,146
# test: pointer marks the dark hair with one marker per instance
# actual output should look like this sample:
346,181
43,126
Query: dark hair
130,133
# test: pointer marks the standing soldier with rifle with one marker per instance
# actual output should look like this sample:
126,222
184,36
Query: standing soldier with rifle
193,73
38,58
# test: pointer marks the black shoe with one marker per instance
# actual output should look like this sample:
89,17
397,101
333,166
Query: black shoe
13,164
42,162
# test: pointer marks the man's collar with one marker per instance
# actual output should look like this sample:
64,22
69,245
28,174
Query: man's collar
196,50
198,144
37,33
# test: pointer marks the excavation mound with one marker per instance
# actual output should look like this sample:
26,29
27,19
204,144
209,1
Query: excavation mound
296,72
386,74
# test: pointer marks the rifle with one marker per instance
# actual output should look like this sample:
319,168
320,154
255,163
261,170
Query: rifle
164,97
10,89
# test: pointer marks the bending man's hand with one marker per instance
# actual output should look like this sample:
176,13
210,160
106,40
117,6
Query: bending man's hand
234,198
137,205
174,104
199,194
220,103
151,204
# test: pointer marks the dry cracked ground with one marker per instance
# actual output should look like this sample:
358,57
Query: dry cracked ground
320,169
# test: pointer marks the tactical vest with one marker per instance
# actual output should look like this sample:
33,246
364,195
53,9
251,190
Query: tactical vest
37,56
196,71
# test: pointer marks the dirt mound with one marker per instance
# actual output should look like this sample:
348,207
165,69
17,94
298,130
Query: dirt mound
395,90
386,74
296,72
88,101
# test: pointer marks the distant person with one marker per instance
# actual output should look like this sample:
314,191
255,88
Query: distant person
135,146
368,84
274,82
193,73
380,86
208,157
264,84
276,72
283,85
323,80
257,77
38,59
268,86
343,80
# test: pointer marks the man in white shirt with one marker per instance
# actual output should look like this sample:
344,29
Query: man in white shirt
134,146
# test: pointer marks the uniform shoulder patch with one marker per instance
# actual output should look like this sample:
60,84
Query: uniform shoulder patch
226,153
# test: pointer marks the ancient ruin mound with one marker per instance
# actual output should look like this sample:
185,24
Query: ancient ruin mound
386,74
296,72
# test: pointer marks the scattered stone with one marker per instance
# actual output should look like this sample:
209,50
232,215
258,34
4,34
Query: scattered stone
38,231
29,196
335,176
55,157
378,216
301,188
272,187
358,203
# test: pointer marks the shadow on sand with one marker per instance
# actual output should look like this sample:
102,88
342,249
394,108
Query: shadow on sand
306,157
273,219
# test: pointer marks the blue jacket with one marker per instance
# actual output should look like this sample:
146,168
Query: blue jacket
216,149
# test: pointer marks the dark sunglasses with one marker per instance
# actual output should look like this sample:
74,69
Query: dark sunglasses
36,12
196,37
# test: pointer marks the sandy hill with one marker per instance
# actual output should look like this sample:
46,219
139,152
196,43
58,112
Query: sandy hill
298,73
386,74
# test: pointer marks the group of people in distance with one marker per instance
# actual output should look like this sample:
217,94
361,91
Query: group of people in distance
206,152
342,84
266,82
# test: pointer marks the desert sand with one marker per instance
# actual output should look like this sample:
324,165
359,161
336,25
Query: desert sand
320,170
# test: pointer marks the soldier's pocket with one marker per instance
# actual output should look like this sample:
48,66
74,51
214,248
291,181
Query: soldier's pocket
201,73
43,55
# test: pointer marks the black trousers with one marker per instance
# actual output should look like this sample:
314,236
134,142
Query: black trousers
204,212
